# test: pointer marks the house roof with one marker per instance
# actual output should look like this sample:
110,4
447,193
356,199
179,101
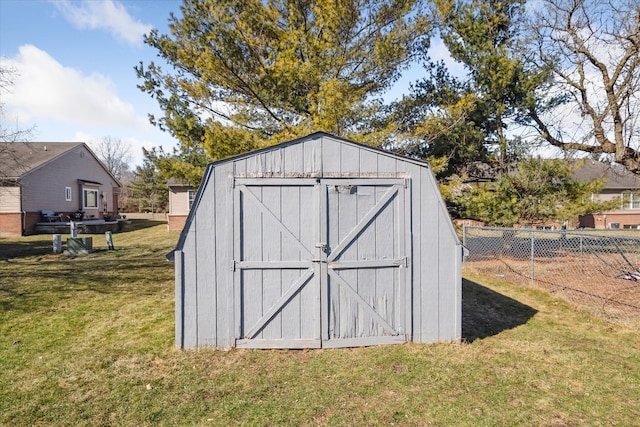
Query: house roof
20,158
174,182
617,178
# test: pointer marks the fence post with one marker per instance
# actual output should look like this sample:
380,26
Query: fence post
581,256
464,235
532,273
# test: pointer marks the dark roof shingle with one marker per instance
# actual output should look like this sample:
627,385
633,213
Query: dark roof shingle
617,178
19,158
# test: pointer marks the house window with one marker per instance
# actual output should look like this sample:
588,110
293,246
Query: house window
614,226
90,198
67,194
192,197
631,227
630,200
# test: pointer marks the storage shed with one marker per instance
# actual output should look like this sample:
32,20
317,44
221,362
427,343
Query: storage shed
313,243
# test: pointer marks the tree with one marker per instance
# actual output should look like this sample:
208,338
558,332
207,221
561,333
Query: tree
458,122
251,73
487,37
185,163
126,200
540,191
7,76
593,48
441,121
149,188
114,154
9,136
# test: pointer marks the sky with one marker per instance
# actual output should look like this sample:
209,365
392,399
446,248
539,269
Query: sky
75,79
74,63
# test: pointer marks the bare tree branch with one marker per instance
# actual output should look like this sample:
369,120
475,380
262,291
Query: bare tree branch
14,134
593,47
9,137
114,153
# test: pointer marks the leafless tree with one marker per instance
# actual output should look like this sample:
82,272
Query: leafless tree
593,50
125,198
9,136
114,153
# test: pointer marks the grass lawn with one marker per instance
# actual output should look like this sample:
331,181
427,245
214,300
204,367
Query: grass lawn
88,340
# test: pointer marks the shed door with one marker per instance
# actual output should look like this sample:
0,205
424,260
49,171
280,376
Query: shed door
277,293
365,276
320,263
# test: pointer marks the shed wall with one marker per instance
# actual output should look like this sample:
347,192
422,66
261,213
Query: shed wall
205,313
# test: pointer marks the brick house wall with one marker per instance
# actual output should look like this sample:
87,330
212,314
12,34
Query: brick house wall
10,223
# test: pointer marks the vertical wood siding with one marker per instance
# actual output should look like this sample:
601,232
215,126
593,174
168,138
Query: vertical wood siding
217,303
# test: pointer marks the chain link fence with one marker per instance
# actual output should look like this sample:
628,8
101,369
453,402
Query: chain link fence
597,270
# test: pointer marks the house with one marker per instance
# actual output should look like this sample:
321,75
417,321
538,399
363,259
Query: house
51,181
619,183
181,196
314,243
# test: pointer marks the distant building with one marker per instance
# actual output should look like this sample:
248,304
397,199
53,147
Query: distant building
621,184
181,197
50,181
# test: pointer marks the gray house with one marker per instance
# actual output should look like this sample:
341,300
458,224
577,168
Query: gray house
317,242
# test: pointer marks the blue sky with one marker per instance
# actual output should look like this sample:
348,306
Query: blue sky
74,61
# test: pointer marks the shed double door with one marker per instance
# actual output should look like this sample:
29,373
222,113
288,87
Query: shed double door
321,262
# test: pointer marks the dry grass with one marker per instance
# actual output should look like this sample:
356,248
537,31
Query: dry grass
89,341
594,283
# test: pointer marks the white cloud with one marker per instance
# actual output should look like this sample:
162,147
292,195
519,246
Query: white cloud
438,51
103,14
45,89
134,144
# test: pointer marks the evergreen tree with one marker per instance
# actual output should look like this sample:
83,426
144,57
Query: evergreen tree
464,120
539,191
250,73
149,187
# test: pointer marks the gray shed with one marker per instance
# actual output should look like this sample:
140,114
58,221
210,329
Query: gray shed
317,242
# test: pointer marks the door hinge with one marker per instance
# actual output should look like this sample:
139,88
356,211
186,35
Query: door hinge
232,267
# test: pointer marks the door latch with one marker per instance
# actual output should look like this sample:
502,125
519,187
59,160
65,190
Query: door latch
323,247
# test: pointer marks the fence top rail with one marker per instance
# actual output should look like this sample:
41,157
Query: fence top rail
627,234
